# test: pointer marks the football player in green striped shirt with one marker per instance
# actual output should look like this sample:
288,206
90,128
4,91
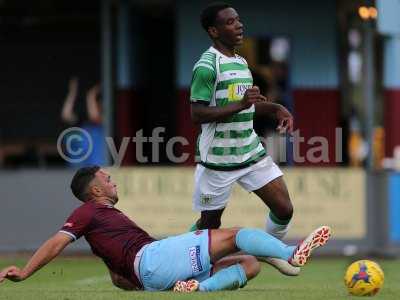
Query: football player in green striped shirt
225,102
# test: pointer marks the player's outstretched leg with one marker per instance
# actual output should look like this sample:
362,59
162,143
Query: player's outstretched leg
259,243
230,278
231,273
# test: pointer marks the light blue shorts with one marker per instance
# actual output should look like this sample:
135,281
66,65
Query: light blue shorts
175,258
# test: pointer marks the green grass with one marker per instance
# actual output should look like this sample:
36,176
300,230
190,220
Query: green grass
87,278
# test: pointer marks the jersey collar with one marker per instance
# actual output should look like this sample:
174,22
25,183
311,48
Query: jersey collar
216,51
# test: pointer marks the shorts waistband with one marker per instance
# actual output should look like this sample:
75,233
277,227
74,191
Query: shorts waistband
233,168
136,263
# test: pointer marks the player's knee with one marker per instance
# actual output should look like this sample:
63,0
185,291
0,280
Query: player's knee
235,230
251,266
288,210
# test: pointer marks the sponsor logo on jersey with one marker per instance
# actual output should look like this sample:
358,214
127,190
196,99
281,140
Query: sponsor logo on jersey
195,262
236,91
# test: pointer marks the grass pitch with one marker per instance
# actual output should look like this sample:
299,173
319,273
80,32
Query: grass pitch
87,278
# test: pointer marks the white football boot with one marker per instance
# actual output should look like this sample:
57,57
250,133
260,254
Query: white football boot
315,239
281,265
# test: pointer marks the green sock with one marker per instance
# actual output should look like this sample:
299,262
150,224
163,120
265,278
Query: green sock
277,227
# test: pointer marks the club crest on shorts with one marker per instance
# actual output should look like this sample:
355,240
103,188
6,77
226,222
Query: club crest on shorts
195,262
205,199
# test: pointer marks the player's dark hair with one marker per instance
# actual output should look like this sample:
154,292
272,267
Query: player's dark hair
209,15
81,180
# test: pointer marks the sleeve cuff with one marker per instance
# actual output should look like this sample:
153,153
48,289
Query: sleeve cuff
69,233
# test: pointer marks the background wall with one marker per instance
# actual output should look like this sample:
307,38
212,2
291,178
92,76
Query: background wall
34,206
159,200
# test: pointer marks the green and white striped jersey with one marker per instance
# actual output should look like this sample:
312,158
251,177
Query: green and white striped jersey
217,80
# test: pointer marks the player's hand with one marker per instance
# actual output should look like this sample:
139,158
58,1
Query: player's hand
12,273
265,99
251,96
285,120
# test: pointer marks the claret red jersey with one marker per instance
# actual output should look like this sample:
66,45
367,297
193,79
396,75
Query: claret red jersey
111,235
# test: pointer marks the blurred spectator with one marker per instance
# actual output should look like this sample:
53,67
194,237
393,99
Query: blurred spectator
89,119
378,145
357,146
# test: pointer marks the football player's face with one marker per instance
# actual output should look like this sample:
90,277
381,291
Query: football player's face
108,186
229,29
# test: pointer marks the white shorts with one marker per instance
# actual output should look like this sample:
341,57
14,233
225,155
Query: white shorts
213,188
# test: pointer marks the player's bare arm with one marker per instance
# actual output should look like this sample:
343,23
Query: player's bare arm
284,117
92,106
206,114
47,252
67,112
